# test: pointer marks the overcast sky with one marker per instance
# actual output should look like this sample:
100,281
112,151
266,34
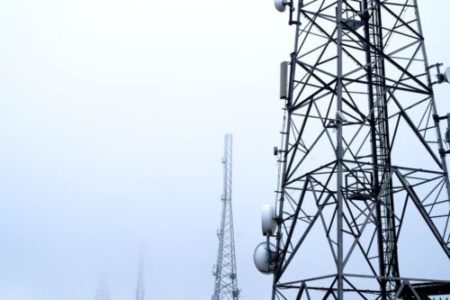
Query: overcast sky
112,116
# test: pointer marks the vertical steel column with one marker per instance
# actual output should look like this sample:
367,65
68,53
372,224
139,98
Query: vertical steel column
339,156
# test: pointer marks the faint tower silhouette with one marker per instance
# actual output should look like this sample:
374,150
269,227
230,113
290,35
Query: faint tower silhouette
140,290
102,289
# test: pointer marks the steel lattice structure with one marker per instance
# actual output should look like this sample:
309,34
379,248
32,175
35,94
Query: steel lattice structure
362,151
225,285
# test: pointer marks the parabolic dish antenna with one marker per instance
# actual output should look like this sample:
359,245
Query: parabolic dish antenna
262,257
280,5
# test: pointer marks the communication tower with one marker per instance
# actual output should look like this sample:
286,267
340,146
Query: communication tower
102,290
225,285
140,290
363,156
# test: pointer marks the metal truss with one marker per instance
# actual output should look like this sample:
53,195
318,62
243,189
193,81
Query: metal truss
225,286
361,150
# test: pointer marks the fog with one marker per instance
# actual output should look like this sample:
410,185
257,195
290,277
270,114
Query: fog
112,116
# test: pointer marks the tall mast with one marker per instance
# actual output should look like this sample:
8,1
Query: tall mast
225,285
140,290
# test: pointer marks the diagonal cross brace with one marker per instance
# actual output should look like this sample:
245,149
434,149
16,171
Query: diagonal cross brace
423,212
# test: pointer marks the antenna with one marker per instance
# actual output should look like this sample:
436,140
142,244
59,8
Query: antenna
225,284
140,290
441,76
268,219
263,257
446,75
280,5
362,158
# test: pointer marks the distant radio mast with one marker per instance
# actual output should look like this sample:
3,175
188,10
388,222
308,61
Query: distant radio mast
102,290
140,290
225,286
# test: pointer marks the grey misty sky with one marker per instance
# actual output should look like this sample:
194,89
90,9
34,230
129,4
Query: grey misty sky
112,116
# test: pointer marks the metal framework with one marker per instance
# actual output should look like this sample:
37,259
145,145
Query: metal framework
225,285
362,151
140,290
